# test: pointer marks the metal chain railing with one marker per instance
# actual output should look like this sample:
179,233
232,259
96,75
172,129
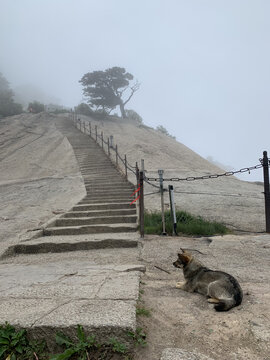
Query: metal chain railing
141,178
96,136
205,177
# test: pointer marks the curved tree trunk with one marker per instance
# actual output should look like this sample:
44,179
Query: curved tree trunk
123,112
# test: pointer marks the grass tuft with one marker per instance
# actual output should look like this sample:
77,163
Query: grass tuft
141,311
186,224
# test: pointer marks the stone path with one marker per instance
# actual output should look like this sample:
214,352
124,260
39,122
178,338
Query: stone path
44,294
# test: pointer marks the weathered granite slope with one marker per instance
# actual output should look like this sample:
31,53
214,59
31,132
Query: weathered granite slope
238,204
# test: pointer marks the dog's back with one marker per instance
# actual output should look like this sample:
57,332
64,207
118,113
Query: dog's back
222,288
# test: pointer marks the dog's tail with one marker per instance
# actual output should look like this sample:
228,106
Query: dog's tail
227,304
224,305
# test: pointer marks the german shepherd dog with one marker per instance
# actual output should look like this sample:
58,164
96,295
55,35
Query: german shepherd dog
222,289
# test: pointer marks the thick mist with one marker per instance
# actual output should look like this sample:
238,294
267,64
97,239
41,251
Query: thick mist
203,65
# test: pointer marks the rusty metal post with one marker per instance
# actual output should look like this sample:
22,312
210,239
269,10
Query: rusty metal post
142,165
160,173
109,154
137,174
116,154
111,141
266,190
141,204
96,132
172,206
102,140
126,166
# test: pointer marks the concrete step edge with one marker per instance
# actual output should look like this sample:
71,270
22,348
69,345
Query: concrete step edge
90,229
77,221
41,246
96,213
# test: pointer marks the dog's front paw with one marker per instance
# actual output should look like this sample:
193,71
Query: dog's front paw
180,285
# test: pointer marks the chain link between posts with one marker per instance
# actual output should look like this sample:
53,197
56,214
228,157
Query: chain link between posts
206,177
265,162
149,180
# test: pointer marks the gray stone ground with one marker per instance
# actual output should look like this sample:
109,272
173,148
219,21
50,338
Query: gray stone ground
39,175
187,322
39,179
179,354
238,204
41,289
96,289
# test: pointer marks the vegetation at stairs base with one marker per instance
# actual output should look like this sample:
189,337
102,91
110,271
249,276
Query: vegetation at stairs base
186,224
15,345
142,311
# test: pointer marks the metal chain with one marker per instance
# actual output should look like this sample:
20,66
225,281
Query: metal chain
133,167
148,182
213,176
189,178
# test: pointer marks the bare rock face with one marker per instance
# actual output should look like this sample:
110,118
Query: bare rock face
238,204
39,175
179,354
184,325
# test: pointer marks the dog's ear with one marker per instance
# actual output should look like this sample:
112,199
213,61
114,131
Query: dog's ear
185,258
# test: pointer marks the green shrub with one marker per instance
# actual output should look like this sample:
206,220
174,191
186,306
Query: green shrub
141,311
7,105
133,115
84,109
164,131
80,348
36,107
10,108
186,224
139,337
15,345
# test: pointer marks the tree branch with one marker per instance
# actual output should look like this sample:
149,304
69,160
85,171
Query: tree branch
134,88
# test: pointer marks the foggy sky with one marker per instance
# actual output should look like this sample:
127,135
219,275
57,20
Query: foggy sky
203,65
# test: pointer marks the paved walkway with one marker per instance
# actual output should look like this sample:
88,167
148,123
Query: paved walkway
83,268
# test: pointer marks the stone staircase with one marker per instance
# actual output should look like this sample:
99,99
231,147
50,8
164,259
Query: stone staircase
84,268
106,207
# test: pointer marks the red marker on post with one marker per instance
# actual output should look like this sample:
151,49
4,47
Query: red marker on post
134,194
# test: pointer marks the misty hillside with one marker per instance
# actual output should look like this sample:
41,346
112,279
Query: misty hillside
40,177
238,204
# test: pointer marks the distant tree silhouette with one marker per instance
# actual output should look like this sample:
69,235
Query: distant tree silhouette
164,131
84,109
133,115
36,107
106,89
7,105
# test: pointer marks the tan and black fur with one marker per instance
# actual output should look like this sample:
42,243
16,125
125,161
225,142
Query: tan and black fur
221,288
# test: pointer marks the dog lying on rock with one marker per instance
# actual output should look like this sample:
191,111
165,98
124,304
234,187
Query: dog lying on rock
222,289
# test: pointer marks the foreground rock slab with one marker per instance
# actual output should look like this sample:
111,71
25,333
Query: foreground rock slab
45,298
179,354
58,244
186,321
